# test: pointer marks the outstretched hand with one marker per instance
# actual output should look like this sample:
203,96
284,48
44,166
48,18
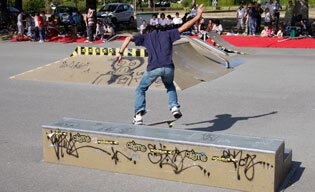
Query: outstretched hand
200,9
118,58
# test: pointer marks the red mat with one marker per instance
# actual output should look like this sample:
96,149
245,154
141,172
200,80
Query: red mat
68,39
240,41
253,41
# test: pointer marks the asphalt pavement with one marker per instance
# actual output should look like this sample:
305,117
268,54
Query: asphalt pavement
271,94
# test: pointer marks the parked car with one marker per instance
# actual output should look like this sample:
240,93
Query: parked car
62,13
116,13
163,4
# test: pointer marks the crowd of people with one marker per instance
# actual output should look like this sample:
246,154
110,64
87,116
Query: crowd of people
37,27
254,20
163,23
251,20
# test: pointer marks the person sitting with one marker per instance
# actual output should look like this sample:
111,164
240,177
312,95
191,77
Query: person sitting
201,26
177,21
264,32
169,22
154,21
279,32
100,29
210,25
217,27
142,26
109,32
162,22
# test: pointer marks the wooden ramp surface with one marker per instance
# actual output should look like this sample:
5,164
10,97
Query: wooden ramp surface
93,65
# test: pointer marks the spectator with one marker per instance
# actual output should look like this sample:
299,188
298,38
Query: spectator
162,22
90,24
36,32
259,11
217,27
201,26
100,29
251,13
278,7
81,25
177,21
41,28
264,32
154,21
240,18
194,28
193,11
143,26
271,6
20,26
267,17
29,25
169,22
76,22
288,16
280,32
210,25
109,32
186,18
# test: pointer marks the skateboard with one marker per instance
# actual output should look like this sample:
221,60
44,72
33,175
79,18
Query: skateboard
169,122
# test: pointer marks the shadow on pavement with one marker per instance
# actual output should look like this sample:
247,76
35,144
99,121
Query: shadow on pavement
223,122
293,176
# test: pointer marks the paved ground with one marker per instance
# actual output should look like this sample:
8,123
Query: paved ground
280,80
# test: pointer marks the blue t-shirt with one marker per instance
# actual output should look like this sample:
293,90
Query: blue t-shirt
159,46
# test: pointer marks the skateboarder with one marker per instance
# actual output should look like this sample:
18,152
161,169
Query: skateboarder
159,45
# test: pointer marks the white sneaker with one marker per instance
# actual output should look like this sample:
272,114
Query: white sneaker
137,120
176,112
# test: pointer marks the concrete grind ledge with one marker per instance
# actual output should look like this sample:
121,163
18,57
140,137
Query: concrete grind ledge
220,160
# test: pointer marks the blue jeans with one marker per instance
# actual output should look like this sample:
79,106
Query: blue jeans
148,77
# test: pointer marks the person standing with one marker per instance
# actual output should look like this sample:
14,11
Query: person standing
251,14
240,16
20,26
41,28
288,16
90,24
259,11
278,6
159,45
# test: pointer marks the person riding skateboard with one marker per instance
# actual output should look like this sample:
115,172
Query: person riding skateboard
159,45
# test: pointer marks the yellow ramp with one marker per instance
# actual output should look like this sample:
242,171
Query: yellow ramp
94,65
89,69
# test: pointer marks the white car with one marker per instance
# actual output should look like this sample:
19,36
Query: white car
116,13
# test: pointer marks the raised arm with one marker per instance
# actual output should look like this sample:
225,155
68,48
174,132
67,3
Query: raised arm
189,23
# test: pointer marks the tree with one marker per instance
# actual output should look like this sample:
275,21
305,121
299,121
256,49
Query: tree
18,4
4,16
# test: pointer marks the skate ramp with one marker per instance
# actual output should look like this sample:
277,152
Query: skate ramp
94,65
193,67
226,46
89,69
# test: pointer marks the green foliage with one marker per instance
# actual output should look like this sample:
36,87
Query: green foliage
176,5
186,3
31,6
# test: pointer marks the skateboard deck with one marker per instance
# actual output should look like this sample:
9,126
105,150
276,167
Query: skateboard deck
169,122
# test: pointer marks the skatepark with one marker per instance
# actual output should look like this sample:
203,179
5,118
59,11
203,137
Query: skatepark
267,93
